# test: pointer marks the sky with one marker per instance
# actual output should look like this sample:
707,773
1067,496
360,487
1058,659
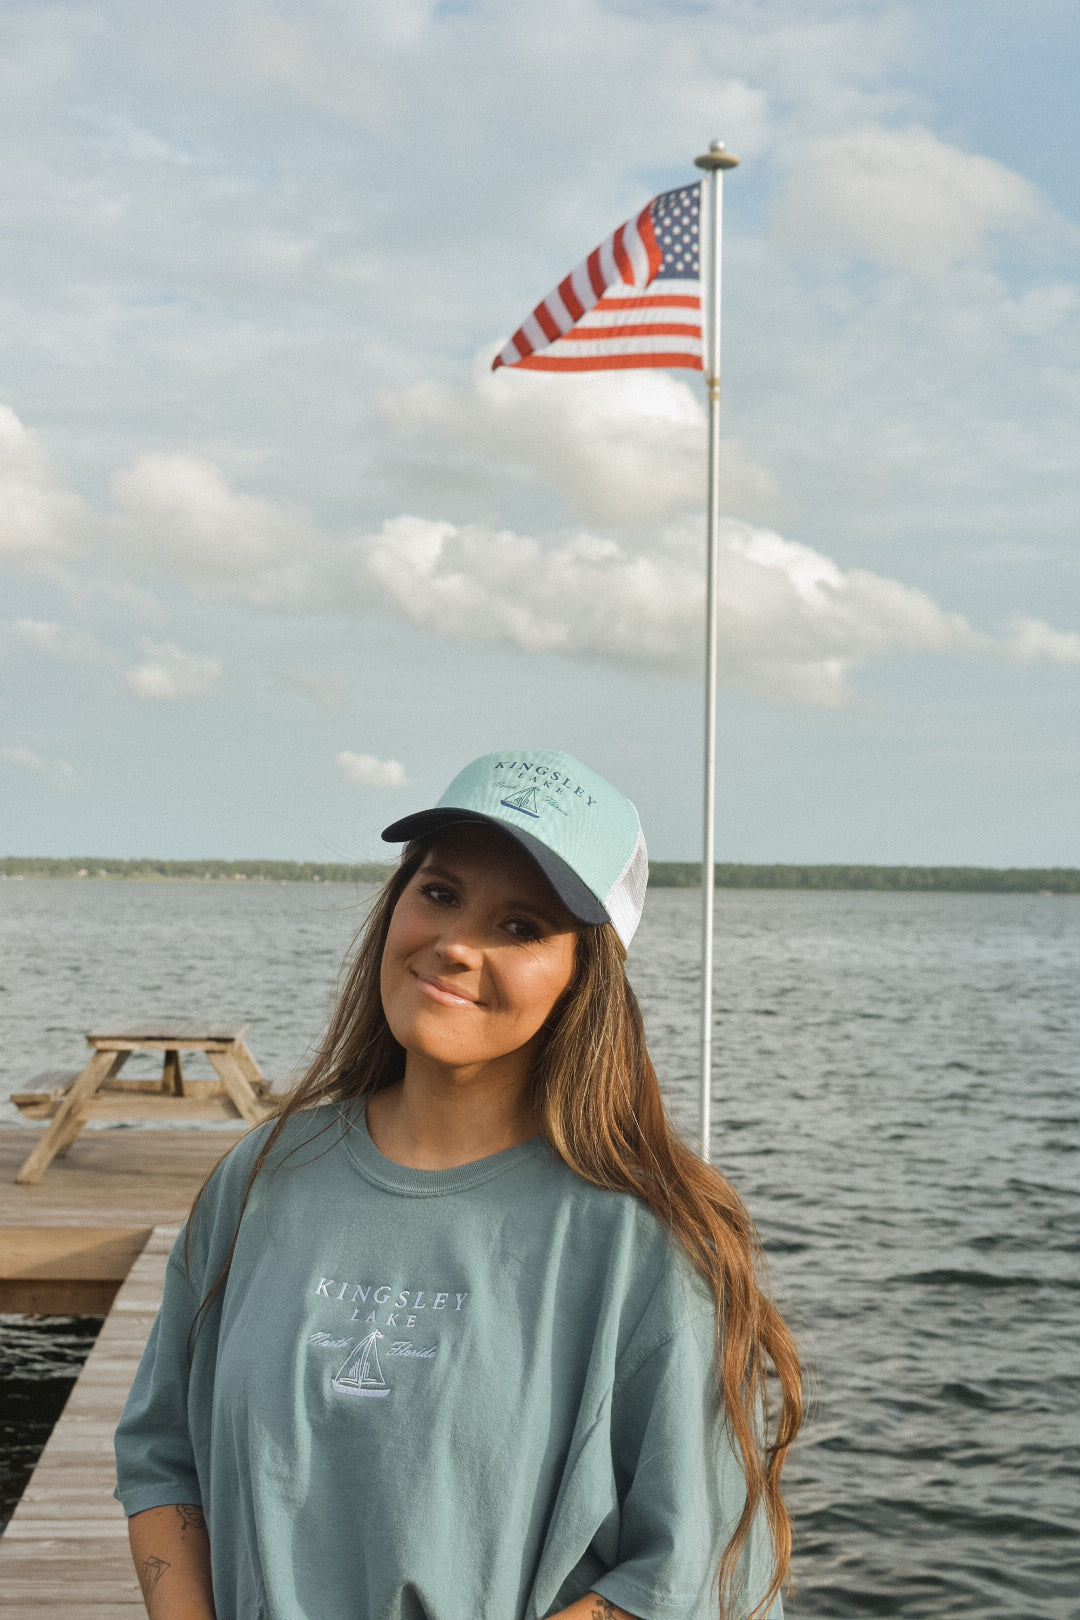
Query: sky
279,553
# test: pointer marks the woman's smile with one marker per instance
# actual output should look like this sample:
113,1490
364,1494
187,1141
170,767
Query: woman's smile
441,992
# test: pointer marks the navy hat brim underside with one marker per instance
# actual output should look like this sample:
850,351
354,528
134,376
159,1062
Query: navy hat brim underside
575,895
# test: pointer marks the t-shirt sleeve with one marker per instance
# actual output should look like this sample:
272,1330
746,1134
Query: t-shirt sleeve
680,1487
166,1423
156,1450
155,1459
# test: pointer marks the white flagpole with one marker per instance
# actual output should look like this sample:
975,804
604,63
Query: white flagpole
714,162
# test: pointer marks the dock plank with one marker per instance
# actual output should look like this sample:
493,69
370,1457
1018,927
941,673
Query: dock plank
65,1549
112,1178
69,1251
65,1270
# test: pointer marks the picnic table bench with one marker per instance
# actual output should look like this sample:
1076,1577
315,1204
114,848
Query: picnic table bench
69,1098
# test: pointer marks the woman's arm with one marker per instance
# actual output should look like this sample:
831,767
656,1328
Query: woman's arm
591,1607
171,1550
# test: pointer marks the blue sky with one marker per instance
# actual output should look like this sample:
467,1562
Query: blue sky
278,553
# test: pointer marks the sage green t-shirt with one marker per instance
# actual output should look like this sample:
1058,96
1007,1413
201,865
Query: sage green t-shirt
468,1394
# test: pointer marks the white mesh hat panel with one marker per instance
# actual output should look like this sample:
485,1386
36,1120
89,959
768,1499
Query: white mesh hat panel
626,899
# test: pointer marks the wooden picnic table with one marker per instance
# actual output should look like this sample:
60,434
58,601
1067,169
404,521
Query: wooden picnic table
95,1092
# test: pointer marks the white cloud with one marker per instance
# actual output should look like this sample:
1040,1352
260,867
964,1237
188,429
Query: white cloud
1032,642
170,675
364,770
37,521
177,513
792,624
61,641
619,449
326,692
57,772
904,198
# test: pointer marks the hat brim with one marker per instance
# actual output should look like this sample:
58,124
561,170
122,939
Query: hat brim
578,899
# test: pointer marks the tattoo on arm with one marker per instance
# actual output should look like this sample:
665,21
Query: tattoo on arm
191,1518
152,1571
602,1608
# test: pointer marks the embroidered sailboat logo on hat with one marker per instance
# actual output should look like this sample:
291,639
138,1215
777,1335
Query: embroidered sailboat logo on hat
361,1374
525,801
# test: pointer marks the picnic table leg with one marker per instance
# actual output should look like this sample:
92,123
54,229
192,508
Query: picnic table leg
236,1083
172,1075
248,1066
78,1119
68,1120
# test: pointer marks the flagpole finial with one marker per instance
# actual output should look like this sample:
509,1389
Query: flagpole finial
717,157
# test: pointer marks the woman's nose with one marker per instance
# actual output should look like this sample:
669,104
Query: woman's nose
459,943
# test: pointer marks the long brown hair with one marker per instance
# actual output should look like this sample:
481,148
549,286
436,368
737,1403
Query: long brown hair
599,1104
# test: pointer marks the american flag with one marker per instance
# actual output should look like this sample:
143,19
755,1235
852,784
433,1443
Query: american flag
635,301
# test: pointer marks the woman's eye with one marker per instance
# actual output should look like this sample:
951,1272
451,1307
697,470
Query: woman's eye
522,929
438,892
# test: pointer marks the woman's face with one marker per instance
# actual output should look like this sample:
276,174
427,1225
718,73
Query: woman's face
479,950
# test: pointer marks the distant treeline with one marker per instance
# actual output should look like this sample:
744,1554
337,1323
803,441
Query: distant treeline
662,875
89,866
894,879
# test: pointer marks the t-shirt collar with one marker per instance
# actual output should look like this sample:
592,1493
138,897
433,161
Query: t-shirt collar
400,1178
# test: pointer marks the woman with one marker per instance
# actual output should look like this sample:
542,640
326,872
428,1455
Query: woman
467,1333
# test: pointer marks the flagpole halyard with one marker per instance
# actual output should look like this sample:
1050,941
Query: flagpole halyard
714,162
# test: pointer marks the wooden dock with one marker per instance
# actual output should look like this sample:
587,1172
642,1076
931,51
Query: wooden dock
93,1236
112,1177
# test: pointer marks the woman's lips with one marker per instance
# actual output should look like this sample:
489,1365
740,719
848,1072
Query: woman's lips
439,992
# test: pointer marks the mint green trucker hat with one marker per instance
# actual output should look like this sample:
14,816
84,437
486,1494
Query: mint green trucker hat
583,834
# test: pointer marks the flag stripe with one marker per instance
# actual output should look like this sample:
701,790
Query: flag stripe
583,287
642,310
601,320
611,362
621,256
617,342
570,301
559,311
590,334
648,301
533,333
645,231
639,255
544,321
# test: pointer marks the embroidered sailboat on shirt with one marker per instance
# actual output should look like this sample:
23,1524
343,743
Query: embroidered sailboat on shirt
361,1373
525,801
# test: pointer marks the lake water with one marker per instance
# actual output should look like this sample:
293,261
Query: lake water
897,1096
40,1359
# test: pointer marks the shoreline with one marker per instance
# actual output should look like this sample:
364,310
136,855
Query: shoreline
662,874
